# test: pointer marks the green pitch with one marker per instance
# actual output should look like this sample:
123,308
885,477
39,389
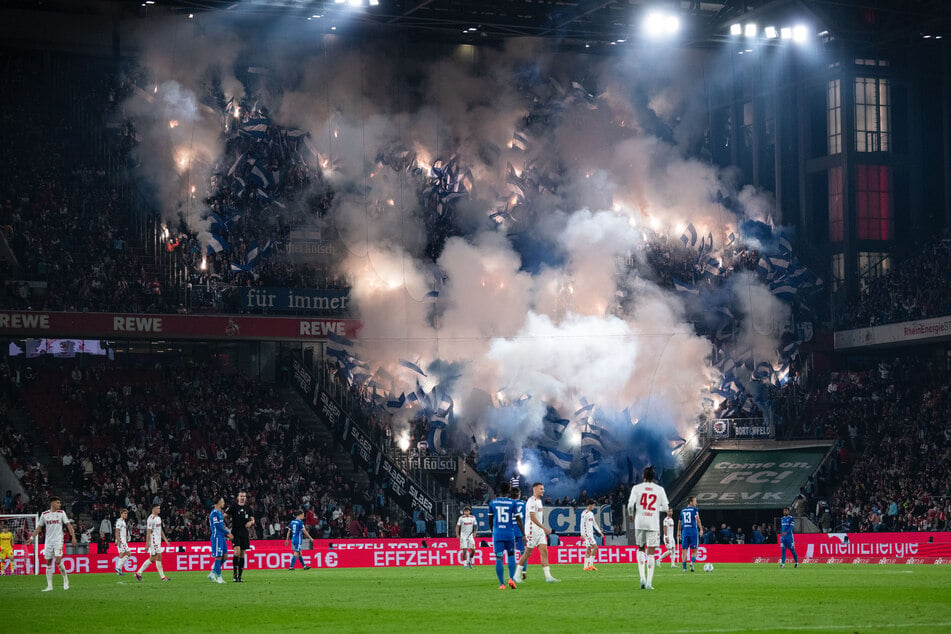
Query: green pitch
733,598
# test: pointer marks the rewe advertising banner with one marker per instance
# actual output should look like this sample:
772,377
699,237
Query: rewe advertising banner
833,548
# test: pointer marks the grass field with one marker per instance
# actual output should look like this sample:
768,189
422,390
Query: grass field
733,598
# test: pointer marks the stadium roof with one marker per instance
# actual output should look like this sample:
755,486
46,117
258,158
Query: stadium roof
570,22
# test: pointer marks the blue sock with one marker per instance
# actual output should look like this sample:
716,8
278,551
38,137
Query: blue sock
512,563
217,568
499,570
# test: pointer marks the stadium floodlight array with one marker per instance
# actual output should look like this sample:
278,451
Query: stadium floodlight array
799,33
24,562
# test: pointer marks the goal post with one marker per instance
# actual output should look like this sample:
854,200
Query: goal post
26,553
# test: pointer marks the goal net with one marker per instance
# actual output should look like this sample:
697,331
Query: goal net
24,556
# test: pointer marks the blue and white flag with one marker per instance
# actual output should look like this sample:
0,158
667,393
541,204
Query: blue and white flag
689,236
557,457
217,244
412,366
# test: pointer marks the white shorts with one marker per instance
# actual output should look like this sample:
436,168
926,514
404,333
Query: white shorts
122,547
589,541
52,550
670,542
645,538
534,539
467,542
155,549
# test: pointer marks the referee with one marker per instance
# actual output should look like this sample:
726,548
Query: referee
241,521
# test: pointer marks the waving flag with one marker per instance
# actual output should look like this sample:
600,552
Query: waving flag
557,457
217,244
689,235
412,366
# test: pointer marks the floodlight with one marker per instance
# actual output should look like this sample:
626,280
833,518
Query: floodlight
771,33
736,29
785,33
800,33
750,30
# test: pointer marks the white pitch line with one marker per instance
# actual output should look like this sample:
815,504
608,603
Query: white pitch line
815,628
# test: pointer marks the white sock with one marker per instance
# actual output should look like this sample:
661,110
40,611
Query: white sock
640,564
49,575
145,564
547,572
650,570
518,571
65,576
158,566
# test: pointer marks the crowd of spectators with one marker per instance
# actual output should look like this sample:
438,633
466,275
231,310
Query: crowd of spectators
888,470
178,434
912,290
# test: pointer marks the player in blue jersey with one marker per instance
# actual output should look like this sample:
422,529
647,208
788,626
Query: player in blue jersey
516,495
295,532
689,532
504,521
219,533
786,537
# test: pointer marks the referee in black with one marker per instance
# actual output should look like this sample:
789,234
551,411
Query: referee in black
241,521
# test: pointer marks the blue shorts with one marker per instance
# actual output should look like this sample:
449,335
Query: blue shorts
295,546
219,547
689,541
788,543
520,544
503,544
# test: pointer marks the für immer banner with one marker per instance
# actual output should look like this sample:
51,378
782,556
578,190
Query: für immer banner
321,301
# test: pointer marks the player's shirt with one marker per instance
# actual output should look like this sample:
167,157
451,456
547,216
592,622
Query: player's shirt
647,501
122,532
533,507
467,526
297,530
240,515
520,505
786,527
589,525
503,518
669,528
216,522
54,521
153,528
6,540
689,521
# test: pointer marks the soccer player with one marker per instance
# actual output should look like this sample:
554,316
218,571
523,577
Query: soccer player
503,520
53,520
294,531
647,500
219,533
588,525
689,531
787,523
154,538
670,543
516,495
536,533
465,533
6,548
122,540
241,521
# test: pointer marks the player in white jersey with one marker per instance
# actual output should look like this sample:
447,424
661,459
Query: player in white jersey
154,536
588,526
465,533
670,541
536,533
122,540
53,520
647,501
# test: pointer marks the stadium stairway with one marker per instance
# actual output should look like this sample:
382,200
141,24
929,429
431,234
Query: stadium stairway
341,456
59,481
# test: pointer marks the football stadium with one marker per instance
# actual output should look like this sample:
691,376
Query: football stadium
396,315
